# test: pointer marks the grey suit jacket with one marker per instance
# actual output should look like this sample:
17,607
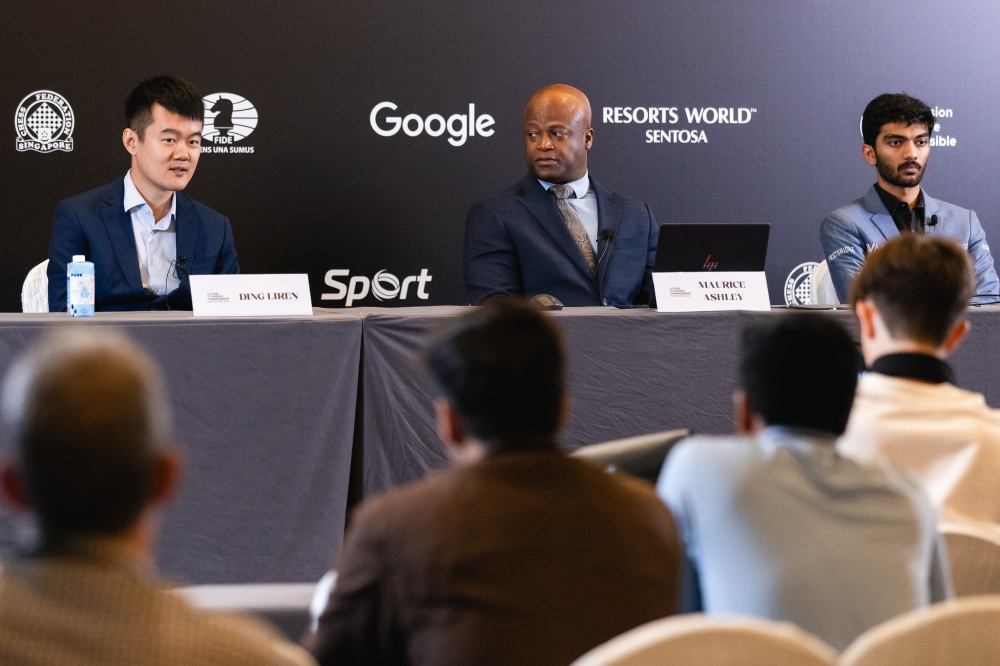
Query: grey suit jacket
849,233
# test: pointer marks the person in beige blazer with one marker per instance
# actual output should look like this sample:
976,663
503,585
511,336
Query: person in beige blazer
517,554
910,298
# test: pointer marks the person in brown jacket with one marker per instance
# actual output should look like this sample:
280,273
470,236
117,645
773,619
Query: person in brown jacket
517,554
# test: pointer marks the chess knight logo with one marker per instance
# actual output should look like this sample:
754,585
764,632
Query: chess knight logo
44,123
229,119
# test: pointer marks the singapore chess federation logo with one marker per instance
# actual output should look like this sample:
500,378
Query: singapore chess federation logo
44,122
798,285
229,119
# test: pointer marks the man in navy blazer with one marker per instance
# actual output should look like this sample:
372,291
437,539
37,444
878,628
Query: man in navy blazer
558,231
896,131
142,234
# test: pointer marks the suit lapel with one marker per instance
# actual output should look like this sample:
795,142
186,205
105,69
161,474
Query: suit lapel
188,223
543,208
609,217
880,216
118,223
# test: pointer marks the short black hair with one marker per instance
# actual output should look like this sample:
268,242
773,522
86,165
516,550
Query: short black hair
920,284
894,108
800,370
86,413
501,367
172,93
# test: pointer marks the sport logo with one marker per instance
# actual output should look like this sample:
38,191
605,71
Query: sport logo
798,285
384,286
229,119
709,264
44,123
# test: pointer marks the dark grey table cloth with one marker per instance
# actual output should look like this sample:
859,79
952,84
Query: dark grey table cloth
630,372
265,411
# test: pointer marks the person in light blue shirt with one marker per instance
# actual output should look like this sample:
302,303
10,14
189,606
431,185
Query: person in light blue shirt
776,523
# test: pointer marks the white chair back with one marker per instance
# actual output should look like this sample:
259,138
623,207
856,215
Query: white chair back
640,456
822,291
285,605
321,597
700,640
974,554
962,632
35,292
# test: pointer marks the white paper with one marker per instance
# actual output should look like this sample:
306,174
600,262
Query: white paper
244,295
711,291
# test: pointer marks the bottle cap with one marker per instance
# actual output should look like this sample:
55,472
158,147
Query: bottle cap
79,258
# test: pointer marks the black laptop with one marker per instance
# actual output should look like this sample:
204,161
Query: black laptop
688,248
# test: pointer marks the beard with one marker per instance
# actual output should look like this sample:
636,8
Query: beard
892,174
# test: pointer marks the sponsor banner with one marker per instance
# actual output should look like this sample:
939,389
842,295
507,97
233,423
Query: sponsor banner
384,286
245,295
711,291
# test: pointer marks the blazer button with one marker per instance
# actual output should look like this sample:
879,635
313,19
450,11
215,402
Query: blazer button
604,301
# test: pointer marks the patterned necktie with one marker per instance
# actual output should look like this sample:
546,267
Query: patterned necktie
572,218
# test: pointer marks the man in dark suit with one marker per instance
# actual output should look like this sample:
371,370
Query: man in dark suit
142,234
558,231
517,554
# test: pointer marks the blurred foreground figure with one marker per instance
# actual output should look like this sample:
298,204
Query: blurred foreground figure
517,554
778,524
910,298
86,431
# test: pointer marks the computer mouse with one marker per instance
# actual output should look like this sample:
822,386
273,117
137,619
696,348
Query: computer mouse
546,302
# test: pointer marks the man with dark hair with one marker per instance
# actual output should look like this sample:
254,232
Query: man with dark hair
87,453
777,524
897,141
910,298
518,554
558,231
142,234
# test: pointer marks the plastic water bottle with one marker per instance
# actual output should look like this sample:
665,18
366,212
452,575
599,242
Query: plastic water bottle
80,287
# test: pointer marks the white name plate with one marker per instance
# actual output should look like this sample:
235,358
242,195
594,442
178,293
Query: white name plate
250,295
710,291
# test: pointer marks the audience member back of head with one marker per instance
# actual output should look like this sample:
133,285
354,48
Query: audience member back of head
775,522
910,298
87,435
516,553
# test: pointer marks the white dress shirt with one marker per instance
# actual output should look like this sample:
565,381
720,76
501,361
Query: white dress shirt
155,240
585,204
948,437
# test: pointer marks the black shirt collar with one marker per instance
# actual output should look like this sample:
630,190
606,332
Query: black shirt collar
921,367
905,219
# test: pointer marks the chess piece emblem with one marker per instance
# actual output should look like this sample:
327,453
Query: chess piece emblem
44,122
229,118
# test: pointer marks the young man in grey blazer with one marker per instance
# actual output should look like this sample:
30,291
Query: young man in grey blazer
897,131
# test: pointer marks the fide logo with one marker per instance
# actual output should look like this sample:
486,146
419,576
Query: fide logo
229,119
44,122
798,286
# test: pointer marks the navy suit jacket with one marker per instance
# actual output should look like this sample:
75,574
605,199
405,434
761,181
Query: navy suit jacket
96,225
518,244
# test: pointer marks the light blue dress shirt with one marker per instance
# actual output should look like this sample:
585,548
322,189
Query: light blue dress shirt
585,204
783,527
155,240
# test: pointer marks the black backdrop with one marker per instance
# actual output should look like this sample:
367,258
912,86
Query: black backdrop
321,190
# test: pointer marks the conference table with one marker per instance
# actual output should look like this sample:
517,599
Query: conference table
287,421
